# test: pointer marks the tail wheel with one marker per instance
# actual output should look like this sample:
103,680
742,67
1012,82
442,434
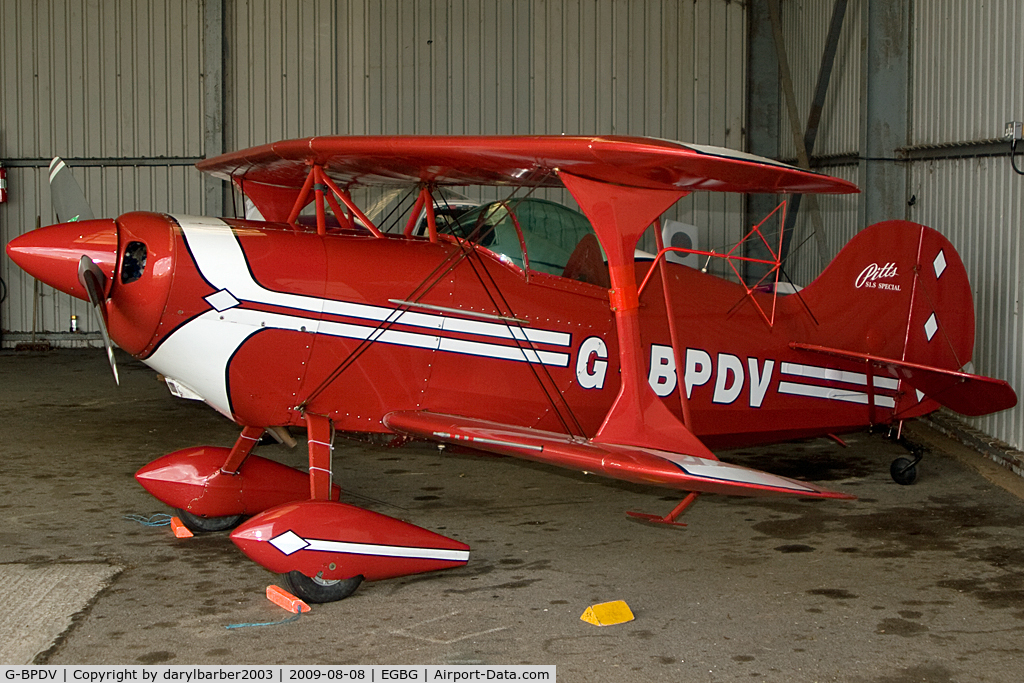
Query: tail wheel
317,590
203,524
904,471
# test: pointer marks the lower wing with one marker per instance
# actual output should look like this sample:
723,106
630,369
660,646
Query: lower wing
700,472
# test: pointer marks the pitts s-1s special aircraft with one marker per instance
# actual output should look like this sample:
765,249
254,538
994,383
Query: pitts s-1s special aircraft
520,327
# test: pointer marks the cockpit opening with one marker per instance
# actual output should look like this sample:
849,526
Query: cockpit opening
557,240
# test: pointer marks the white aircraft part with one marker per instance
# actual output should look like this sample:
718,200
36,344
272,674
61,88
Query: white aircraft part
290,542
684,235
206,371
722,471
221,331
814,391
833,375
222,263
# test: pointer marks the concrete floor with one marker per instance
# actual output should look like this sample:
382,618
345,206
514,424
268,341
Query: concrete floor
906,584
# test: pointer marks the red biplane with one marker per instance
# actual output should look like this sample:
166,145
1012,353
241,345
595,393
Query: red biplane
521,327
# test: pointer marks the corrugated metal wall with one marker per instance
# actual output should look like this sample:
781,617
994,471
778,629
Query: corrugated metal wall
967,62
967,59
979,205
100,79
805,26
964,84
654,67
115,84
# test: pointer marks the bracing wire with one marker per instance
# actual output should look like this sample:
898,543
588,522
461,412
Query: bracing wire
466,249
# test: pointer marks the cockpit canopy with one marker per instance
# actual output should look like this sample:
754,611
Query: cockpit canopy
557,240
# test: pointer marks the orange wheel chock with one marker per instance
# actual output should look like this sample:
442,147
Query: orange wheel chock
179,529
286,600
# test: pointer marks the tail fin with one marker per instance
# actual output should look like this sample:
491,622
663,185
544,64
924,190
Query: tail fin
898,299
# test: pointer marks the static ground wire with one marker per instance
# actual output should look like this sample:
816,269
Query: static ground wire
159,519
267,623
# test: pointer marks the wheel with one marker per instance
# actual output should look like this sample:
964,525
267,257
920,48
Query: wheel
317,590
203,524
903,471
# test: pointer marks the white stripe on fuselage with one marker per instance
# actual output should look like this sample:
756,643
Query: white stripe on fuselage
834,375
222,263
197,354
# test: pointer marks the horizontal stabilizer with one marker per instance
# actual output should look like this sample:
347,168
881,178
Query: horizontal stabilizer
629,463
962,392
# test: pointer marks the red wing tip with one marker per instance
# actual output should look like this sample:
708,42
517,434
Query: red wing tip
836,495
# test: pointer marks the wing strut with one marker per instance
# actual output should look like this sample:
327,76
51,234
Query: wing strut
620,215
319,183
424,203
671,517
666,292
730,256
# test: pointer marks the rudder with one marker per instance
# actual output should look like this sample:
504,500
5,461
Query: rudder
898,290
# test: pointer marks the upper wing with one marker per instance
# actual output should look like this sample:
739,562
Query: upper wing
965,393
274,172
697,472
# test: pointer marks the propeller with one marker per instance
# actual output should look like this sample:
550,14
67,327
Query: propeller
93,279
75,256
66,195
70,205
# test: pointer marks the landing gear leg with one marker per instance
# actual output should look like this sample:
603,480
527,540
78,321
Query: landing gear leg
244,445
316,588
321,450
904,470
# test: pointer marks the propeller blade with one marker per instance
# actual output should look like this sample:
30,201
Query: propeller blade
92,279
66,195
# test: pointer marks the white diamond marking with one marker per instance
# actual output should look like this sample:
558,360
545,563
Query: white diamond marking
940,264
222,300
289,542
931,326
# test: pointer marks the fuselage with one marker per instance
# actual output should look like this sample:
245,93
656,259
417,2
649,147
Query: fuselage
264,322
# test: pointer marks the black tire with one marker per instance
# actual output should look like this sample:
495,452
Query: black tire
903,471
205,524
320,590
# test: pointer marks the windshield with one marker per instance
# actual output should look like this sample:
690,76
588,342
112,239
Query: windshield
552,233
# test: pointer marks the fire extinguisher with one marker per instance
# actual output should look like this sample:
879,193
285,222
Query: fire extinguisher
3,184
